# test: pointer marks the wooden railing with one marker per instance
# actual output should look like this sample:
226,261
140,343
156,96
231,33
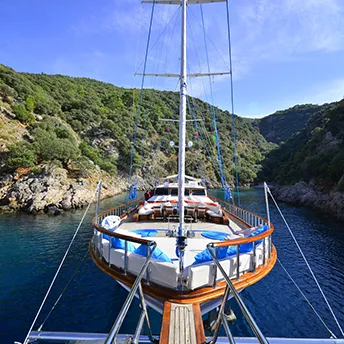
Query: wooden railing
248,218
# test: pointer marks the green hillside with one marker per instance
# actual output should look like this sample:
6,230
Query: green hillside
282,125
315,153
82,124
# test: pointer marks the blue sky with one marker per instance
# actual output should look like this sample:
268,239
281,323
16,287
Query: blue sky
285,52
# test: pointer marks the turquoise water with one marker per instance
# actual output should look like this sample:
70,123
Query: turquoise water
31,248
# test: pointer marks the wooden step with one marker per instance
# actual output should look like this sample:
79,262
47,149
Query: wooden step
182,323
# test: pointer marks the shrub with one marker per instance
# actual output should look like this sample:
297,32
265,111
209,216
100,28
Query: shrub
7,91
20,154
22,114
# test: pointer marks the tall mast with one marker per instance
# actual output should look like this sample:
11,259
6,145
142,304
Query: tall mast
182,123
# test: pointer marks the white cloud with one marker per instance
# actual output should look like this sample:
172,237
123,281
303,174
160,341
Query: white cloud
278,29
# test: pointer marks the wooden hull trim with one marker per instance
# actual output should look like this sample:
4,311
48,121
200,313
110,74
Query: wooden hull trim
200,295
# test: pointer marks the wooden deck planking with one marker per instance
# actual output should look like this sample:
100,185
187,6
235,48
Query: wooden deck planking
182,323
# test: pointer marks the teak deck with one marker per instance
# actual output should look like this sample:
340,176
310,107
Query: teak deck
182,323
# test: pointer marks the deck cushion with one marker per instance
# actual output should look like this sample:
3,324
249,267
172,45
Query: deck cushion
205,255
258,231
111,222
157,254
120,243
215,235
146,232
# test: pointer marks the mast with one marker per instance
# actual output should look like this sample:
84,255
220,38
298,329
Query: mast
182,123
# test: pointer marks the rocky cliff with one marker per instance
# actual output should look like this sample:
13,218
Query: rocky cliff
309,195
53,190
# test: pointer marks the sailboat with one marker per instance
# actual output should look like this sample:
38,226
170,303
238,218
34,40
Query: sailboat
181,251
181,245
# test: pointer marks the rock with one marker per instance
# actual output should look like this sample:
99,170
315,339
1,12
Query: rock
52,210
53,191
310,195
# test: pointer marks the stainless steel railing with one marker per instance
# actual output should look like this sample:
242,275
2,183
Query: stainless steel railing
221,318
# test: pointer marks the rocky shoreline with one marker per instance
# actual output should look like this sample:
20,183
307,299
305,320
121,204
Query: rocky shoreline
308,195
54,190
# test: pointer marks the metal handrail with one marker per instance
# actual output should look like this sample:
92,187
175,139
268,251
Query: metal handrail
256,330
246,216
120,210
122,314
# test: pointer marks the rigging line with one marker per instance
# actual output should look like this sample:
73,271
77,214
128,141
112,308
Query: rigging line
197,57
306,261
138,38
232,103
141,92
26,341
309,303
169,56
156,41
64,289
205,146
210,41
156,82
223,179
210,142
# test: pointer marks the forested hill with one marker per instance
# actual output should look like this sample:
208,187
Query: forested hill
282,125
84,125
315,154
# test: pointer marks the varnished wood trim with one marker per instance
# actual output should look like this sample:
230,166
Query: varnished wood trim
195,296
124,237
165,324
234,242
199,328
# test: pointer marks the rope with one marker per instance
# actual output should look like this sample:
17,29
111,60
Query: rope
64,289
232,102
200,133
309,303
222,176
157,40
141,92
26,341
306,261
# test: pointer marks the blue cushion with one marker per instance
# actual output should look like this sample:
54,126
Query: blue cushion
157,254
146,232
214,235
258,231
224,252
205,255
120,243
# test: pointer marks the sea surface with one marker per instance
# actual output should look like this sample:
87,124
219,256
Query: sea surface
31,248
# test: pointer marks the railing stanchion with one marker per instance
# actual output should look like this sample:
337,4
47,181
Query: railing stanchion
269,246
264,252
125,257
110,243
147,271
254,263
215,269
101,246
238,261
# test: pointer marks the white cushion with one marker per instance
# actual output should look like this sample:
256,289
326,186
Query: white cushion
162,273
